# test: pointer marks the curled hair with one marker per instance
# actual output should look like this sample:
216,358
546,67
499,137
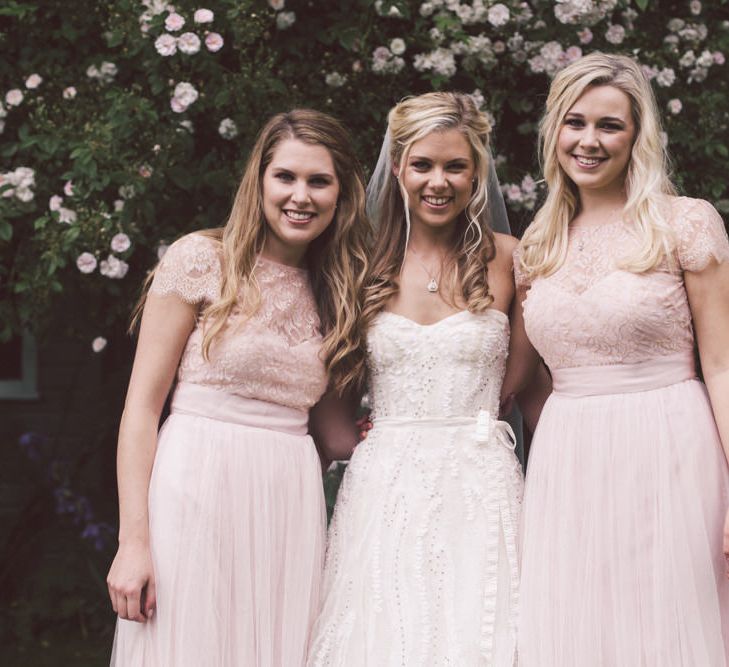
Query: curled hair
410,121
544,244
336,259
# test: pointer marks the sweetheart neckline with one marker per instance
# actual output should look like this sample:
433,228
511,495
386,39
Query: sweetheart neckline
444,319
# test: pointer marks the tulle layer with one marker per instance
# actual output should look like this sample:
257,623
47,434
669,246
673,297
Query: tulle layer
622,560
421,565
237,533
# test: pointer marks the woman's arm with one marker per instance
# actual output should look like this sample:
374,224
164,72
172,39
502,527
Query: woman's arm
332,424
708,294
166,325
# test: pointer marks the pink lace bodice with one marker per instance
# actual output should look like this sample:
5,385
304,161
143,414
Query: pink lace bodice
591,313
272,355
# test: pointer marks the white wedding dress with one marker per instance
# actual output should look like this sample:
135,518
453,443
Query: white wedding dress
421,565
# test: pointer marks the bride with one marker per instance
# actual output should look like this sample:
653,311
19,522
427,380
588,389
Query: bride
421,565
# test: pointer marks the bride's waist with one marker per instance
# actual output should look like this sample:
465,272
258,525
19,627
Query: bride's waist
430,421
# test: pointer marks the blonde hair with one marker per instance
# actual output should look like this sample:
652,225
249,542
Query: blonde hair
544,244
410,121
337,259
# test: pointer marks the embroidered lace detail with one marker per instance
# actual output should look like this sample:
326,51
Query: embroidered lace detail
590,312
272,355
190,269
426,518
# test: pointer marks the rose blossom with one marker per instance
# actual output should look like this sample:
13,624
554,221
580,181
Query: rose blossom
719,58
68,188
188,43
86,262
213,42
66,215
69,93
166,45
285,20
98,344
584,35
120,242
397,46
674,106
227,128
174,22
33,81
615,34
14,97
113,267
203,16
55,202
498,15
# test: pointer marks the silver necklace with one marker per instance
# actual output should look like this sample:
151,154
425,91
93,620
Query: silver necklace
432,285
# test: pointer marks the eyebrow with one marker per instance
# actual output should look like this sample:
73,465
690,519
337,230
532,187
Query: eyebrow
574,114
323,174
455,159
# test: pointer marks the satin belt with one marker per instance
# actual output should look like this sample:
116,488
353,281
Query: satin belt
201,401
486,428
624,378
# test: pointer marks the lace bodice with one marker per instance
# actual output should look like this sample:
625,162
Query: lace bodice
591,313
272,355
451,368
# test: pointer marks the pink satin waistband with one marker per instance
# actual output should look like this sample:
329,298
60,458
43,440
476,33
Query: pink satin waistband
624,378
200,401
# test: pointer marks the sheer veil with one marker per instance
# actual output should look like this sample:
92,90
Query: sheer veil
498,220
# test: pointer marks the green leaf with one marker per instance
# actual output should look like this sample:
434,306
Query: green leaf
6,230
642,4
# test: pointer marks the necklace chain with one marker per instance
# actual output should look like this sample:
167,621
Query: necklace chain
432,285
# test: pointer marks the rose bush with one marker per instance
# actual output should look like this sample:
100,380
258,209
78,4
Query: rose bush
134,117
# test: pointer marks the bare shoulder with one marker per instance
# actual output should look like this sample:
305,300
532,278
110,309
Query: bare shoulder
505,245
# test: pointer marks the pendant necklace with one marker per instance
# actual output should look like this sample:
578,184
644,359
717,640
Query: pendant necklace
432,285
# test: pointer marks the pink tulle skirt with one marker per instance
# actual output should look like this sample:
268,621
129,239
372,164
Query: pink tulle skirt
626,491
237,524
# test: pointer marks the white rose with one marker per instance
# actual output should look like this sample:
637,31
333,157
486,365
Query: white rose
120,242
213,42
397,46
92,71
174,22
227,128
69,93
189,43
33,81
24,194
203,16
695,7
335,79
166,45
98,344
66,215
68,188
185,93
674,106
118,205
177,105
14,97
615,34
498,15
113,267
55,202
285,20
666,77
86,262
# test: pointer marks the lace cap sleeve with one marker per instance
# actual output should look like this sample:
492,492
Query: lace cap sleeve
190,269
520,278
700,234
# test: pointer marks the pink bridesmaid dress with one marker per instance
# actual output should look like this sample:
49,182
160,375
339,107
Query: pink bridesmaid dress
236,509
627,484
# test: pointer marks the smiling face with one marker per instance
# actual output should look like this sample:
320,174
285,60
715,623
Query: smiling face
438,178
596,139
300,191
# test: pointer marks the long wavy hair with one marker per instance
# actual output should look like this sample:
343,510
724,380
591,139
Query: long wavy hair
473,242
544,244
336,259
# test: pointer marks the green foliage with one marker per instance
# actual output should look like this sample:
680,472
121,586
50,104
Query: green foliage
142,169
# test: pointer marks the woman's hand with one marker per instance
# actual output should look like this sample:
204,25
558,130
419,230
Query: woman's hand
131,583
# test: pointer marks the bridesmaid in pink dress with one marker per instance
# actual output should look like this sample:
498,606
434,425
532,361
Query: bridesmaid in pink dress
627,486
222,519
